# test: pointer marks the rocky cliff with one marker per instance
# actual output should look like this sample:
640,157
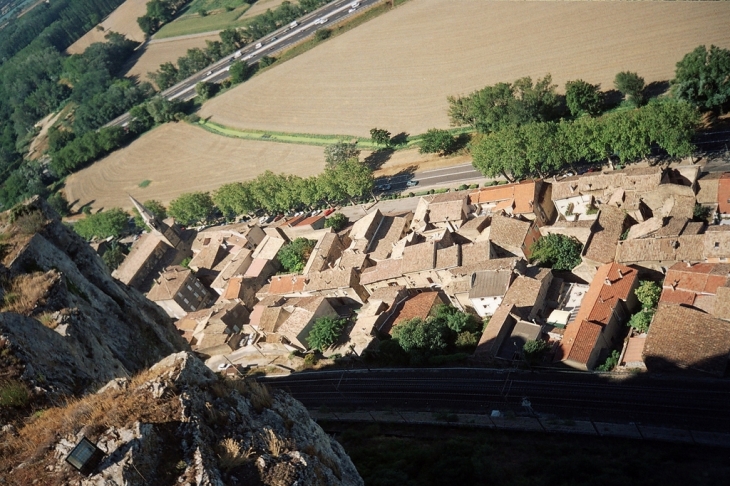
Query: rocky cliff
66,326
179,423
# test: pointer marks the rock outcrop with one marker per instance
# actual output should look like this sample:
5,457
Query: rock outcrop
179,423
69,324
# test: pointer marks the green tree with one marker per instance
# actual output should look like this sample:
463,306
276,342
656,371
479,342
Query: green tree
534,350
155,207
347,180
240,72
456,320
648,293
325,332
206,90
703,78
294,255
322,34
337,222
339,152
641,320
234,199
557,251
113,222
631,85
380,136
114,256
192,207
583,98
436,141
422,339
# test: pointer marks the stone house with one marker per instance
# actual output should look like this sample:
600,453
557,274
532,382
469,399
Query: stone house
529,199
512,236
178,292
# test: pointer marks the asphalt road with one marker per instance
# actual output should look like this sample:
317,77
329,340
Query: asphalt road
702,404
443,176
272,43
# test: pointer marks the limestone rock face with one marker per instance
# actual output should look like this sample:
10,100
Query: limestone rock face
214,432
77,327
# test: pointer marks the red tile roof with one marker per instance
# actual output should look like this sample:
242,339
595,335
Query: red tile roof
310,220
418,306
286,284
519,196
584,341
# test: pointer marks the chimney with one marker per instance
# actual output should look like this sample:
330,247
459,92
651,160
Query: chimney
620,273
607,281
674,284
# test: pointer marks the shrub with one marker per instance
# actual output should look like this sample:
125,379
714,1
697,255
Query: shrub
611,362
145,183
31,222
294,255
231,454
534,349
185,262
103,225
325,332
556,251
337,222
641,320
322,34
437,141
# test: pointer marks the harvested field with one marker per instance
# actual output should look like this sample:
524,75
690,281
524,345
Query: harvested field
122,20
262,6
179,158
161,51
396,71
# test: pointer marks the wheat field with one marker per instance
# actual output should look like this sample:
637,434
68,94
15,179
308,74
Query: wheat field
178,158
396,71
122,20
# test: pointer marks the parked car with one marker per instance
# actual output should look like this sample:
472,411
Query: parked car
411,183
329,211
383,187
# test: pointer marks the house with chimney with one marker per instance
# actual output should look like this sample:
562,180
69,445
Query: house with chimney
600,248
178,292
703,286
420,306
447,211
513,236
459,286
601,319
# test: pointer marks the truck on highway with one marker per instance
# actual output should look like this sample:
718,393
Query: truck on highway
293,24
237,55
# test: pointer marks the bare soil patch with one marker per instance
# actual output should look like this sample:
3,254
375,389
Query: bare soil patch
122,20
396,71
179,158
412,161
163,51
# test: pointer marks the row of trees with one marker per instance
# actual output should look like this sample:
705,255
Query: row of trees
159,12
546,147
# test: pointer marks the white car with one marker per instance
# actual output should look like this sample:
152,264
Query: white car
209,73
223,366
248,57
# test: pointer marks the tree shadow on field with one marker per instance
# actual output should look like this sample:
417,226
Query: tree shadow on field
379,157
612,98
460,142
399,139
655,89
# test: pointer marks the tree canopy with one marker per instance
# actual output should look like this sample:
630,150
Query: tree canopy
631,85
337,222
380,136
496,107
325,332
703,78
583,98
339,152
191,208
437,141
648,293
113,222
557,251
293,256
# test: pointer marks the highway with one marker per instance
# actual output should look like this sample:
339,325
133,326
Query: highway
702,404
270,44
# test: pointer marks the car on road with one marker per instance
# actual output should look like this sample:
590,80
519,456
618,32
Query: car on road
209,73
258,46
274,38
383,187
411,183
248,57
329,211
321,20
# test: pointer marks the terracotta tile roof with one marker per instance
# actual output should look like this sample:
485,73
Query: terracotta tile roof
496,264
169,283
291,222
475,225
387,294
707,186
384,270
309,221
419,306
520,197
721,309
268,248
390,231
448,257
639,179
191,321
333,278
211,252
580,346
141,251
236,266
364,227
271,318
350,259
286,284
635,350
694,228
699,278
601,246
442,212
597,307
233,288
684,338
449,197
677,296
683,248
673,227
490,284
475,252
419,257
508,232
723,193
256,267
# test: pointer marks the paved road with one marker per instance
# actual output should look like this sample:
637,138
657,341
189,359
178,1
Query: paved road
701,404
272,43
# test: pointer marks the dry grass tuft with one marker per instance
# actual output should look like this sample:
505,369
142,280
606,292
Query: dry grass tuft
27,291
260,395
275,444
31,222
232,454
13,393
47,320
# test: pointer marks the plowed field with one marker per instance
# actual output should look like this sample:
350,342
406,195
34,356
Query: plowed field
396,71
122,20
178,158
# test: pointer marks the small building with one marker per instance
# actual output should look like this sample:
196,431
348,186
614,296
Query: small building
178,292
601,246
487,290
420,306
695,285
685,339
604,311
530,199
512,236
